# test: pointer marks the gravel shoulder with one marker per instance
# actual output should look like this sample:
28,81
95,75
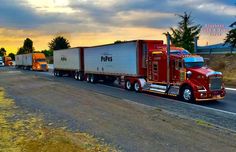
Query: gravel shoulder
122,123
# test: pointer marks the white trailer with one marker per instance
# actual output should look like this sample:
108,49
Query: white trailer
19,60
24,60
27,59
116,59
68,61
1,61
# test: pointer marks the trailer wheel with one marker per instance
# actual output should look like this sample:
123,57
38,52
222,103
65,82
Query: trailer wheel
80,77
93,78
137,87
88,78
187,94
128,85
76,76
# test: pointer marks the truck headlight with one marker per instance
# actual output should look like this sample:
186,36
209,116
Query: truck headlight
188,74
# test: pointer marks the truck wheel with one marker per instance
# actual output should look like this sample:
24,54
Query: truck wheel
93,78
187,94
128,85
137,87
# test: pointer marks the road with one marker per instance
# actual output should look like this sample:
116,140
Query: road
132,121
208,111
228,104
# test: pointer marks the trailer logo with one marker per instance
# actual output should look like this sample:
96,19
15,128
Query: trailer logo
106,57
63,58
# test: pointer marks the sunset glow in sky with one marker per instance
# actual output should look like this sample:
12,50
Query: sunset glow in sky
93,22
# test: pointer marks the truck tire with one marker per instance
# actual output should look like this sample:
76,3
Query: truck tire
93,78
88,78
80,76
187,94
128,85
137,87
55,73
76,76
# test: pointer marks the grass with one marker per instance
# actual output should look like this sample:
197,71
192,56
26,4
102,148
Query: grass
225,64
203,123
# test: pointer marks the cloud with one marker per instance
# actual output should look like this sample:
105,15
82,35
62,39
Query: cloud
95,22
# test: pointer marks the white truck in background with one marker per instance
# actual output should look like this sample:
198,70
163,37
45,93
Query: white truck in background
1,61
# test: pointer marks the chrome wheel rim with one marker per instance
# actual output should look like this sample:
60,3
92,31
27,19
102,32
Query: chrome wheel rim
136,86
76,76
187,94
128,85
87,78
92,79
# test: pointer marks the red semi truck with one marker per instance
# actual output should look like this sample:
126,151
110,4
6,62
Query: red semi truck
144,65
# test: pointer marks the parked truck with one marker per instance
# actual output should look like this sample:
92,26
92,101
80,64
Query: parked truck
144,65
1,62
32,61
7,61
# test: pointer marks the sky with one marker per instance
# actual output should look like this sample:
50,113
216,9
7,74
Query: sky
95,22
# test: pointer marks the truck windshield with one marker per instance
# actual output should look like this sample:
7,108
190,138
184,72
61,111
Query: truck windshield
179,52
194,64
40,60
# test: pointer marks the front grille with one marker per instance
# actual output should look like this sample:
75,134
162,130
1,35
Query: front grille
215,83
43,66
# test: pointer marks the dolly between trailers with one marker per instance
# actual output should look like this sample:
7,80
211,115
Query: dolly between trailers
144,65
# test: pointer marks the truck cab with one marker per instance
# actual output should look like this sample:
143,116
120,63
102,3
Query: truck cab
39,62
188,77
8,61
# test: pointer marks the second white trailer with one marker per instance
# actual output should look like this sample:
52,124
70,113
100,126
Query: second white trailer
68,61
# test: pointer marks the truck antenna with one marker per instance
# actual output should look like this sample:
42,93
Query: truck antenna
168,58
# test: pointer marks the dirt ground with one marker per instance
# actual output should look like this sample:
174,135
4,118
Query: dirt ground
124,124
24,131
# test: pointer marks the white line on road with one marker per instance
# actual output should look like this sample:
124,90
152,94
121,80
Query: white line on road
232,89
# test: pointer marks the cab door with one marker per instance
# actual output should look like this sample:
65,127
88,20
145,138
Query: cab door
178,71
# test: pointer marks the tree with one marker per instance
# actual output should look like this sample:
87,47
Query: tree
20,51
183,35
47,53
231,38
2,52
59,43
12,55
28,46
119,41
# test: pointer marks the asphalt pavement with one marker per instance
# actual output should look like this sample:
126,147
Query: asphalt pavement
221,113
